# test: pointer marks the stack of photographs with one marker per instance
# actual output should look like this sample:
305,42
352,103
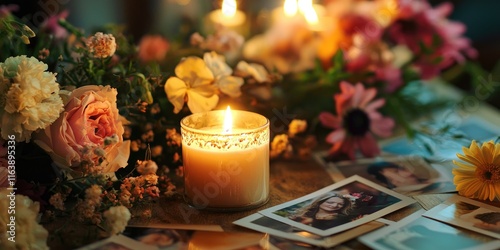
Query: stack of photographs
329,216
458,223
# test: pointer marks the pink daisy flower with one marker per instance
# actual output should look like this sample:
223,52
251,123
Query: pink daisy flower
418,23
356,122
52,25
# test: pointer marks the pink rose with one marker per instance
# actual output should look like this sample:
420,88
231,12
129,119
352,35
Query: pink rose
153,48
89,123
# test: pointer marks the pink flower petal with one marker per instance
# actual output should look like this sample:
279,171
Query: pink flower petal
367,97
368,146
358,94
335,148
374,105
329,120
374,115
349,148
443,10
382,127
336,136
341,104
346,87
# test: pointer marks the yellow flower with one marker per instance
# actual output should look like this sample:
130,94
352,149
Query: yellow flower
193,80
481,177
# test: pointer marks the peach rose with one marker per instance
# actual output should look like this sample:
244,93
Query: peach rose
90,121
153,48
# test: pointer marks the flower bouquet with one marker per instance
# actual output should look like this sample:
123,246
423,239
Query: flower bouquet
375,58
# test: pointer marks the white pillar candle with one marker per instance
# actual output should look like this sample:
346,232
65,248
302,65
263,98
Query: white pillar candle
225,168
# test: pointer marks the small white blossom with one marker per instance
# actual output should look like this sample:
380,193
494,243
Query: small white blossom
146,167
101,45
117,219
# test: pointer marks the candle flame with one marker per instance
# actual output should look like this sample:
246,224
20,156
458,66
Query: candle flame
229,8
290,8
228,121
307,9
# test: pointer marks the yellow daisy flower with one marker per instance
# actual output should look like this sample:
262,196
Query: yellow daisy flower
481,177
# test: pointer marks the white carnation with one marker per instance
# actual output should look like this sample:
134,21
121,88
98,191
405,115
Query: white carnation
117,219
93,194
29,97
146,167
28,233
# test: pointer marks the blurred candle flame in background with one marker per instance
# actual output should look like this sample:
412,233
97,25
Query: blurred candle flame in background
229,8
307,10
290,8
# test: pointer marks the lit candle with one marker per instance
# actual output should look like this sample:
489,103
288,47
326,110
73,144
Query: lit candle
290,8
228,16
226,159
286,14
294,11
313,14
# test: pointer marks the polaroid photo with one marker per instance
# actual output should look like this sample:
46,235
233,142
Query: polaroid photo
408,175
469,214
416,232
117,242
346,204
270,226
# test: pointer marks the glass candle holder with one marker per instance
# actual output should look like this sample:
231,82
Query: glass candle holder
225,169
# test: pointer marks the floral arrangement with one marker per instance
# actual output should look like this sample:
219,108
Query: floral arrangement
373,58
98,114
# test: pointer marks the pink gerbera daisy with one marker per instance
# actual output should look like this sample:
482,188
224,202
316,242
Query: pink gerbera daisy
420,25
356,121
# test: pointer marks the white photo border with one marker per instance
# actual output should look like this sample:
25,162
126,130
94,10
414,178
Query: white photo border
121,240
326,241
